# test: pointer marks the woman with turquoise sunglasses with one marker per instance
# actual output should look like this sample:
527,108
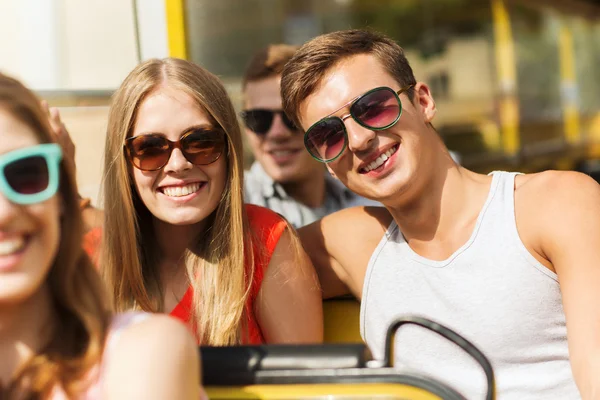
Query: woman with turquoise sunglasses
58,338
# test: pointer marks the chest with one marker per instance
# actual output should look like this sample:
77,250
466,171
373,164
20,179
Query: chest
494,295
174,286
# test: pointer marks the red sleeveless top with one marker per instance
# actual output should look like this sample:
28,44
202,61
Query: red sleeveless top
268,228
91,244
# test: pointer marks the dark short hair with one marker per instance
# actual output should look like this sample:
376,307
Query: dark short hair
303,73
267,62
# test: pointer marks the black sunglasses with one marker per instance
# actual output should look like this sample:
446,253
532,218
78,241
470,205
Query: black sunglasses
259,120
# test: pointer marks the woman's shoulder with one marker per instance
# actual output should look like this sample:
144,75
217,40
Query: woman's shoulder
133,334
92,241
262,216
154,345
267,226
131,330
133,339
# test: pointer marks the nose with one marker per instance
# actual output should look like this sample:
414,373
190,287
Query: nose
359,137
7,210
278,129
177,163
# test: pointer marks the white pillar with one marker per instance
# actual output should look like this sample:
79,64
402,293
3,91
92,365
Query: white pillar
30,49
152,29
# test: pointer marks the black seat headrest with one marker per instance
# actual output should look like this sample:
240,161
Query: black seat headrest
237,365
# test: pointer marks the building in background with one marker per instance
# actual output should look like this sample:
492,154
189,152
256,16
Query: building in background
75,54
515,80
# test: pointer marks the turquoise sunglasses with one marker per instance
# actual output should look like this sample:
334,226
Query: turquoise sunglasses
30,175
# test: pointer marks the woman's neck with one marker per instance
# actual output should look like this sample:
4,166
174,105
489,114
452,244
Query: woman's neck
173,240
25,328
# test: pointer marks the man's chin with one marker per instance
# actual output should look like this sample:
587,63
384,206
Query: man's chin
289,173
283,173
289,178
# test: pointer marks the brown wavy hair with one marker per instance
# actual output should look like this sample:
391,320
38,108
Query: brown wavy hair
83,312
129,256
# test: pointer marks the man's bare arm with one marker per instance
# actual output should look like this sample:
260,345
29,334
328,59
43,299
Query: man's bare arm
340,246
568,216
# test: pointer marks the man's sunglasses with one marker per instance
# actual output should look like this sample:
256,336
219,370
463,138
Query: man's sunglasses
30,175
377,109
259,121
151,152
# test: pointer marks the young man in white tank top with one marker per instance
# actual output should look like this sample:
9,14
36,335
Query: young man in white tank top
482,254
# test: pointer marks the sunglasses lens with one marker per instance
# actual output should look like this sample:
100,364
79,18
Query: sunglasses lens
288,122
378,109
149,152
326,139
28,175
203,147
258,121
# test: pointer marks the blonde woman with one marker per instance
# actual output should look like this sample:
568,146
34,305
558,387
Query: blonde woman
177,237
58,338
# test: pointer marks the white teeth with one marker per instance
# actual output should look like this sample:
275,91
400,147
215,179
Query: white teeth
178,191
10,246
380,160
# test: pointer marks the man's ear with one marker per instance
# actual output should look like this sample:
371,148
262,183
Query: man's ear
424,102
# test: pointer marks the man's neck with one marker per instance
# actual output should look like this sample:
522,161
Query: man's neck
310,191
446,204
25,328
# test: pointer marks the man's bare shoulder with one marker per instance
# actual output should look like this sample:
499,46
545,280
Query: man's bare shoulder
363,221
348,234
341,244
556,187
550,204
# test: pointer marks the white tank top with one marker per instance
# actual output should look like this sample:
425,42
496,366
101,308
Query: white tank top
491,290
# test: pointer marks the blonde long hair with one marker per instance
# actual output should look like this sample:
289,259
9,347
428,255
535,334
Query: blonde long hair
129,255
76,289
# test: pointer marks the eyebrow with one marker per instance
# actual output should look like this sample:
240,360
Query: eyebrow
206,127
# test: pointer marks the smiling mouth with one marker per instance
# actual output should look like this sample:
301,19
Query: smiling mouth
377,163
180,191
12,246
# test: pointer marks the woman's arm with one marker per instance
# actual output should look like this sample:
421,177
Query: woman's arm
289,306
153,359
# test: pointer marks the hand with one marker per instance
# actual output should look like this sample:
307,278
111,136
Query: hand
61,135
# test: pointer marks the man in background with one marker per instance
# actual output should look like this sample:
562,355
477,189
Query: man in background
284,177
